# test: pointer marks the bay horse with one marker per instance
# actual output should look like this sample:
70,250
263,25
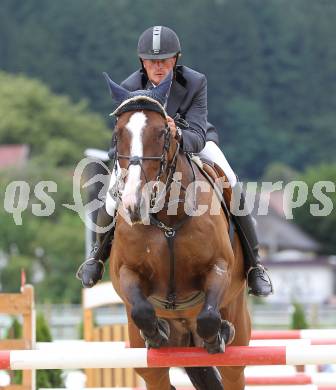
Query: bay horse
180,277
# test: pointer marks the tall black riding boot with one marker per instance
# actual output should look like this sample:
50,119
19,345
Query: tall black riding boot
92,270
258,281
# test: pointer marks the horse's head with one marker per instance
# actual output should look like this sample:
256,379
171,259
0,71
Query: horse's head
143,143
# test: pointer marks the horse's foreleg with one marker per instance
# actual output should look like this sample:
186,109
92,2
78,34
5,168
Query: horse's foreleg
215,332
155,378
155,331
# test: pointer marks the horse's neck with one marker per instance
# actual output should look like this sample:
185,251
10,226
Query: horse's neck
187,172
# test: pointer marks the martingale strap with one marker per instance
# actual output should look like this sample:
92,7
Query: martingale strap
170,234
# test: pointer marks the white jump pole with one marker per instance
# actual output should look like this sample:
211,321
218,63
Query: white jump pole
166,357
106,345
276,387
80,345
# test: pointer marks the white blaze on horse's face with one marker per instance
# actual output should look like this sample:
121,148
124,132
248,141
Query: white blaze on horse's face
135,126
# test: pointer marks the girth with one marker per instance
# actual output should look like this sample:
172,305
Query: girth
190,302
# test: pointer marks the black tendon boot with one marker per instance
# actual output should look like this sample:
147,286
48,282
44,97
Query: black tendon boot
258,281
92,270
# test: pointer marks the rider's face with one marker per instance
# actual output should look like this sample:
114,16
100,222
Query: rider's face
157,70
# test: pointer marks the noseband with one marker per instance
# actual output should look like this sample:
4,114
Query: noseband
137,160
165,165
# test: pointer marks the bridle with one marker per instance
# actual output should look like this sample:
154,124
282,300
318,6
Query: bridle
165,164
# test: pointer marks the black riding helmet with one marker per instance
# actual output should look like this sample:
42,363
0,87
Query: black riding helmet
158,42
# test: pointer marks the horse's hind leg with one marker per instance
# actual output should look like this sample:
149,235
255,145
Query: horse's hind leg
233,378
155,378
237,313
155,331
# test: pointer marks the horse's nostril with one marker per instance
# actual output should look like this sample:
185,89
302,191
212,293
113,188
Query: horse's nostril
134,214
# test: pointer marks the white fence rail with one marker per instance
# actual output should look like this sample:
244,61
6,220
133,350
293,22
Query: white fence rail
64,319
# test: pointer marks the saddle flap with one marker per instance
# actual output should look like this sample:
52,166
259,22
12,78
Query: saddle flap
215,172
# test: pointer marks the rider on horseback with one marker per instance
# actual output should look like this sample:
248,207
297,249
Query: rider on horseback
158,50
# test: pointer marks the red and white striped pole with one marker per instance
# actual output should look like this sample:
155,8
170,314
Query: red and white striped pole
288,387
318,379
166,357
106,345
294,334
293,342
271,387
295,387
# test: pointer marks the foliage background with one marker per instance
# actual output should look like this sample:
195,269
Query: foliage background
44,378
271,75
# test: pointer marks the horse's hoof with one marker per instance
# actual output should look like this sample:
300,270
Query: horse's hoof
160,337
208,323
215,346
224,337
143,315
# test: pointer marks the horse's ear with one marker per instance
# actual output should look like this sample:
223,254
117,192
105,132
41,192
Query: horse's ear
164,87
118,93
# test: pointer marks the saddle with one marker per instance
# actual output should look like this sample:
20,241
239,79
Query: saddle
212,172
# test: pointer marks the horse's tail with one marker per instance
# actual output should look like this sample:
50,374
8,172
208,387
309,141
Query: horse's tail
204,378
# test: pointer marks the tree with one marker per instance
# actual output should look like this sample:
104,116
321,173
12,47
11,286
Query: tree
277,54
317,216
56,130
44,378
49,248
298,317
271,94
243,147
279,172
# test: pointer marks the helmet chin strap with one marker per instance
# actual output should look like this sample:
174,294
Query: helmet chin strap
177,56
